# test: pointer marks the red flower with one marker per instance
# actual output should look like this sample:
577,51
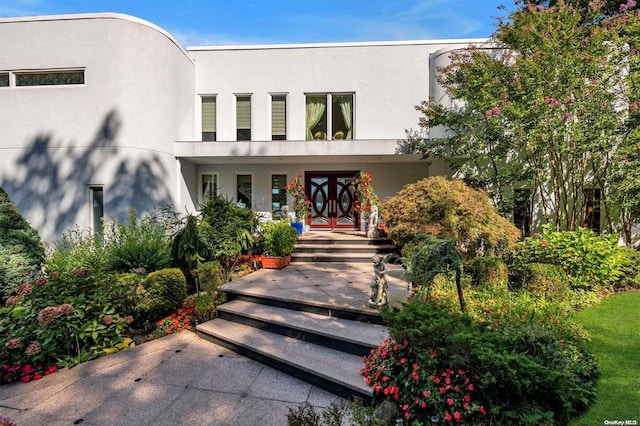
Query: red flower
447,417
26,378
37,377
456,416
543,244
405,407
407,415
425,394
415,375
450,401
470,387
467,398
483,411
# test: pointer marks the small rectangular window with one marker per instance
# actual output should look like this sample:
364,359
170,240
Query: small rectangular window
278,117
278,195
209,187
208,118
49,78
97,211
243,118
592,209
243,193
4,79
522,210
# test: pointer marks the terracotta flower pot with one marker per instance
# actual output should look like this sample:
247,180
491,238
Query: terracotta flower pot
275,262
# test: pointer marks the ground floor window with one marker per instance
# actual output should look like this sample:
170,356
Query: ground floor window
243,192
96,194
592,209
208,187
278,195
522,210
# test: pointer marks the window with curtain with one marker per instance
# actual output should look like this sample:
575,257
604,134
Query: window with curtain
208,118
243,193
278,195
243,118
329,116
208,187
278,117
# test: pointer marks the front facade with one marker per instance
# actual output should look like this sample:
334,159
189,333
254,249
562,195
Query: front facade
100,113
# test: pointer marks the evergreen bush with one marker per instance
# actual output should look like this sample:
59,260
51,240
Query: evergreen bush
165,291
489,272
279,238
543,280
21,249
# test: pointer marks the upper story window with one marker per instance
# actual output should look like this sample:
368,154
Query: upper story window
4,79
49,78
329,116
208,118
278,117
243,117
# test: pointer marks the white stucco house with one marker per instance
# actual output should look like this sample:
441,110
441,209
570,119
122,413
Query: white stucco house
103,112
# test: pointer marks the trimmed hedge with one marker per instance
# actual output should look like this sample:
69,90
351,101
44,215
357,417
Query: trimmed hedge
489,272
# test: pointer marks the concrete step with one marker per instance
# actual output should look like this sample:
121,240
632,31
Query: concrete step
332,257
354,337
306,247
335,371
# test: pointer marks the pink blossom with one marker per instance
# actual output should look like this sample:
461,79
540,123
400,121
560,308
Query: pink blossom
107,320
65,309
24,289
539,8
13,344
48,314
496,110
33,349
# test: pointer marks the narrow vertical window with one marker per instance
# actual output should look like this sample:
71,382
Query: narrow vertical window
592,209
342,116
208,118
278,195
243,118
4,79
209,187
243,194
278,117
522,210
97,211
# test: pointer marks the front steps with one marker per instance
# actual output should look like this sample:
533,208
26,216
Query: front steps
315,344
323,246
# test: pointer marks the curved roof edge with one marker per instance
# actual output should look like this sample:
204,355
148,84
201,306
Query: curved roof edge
101,15
338,44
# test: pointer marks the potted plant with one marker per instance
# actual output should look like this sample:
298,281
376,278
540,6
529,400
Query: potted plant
279,239
301,203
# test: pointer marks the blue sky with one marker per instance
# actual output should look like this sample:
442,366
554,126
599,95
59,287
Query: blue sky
219,22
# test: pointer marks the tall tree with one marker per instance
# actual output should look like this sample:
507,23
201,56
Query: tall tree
543,105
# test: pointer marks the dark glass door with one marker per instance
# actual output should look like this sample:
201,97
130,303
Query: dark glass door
332,199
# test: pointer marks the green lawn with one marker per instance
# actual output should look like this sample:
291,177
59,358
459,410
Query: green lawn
614,326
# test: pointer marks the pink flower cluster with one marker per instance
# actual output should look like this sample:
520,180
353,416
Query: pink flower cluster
13,344
494,111
628,5
24,289
50,313
33,349
80,272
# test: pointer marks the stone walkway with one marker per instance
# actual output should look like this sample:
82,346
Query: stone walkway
176,380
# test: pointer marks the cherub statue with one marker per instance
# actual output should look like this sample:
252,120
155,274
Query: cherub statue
372,227
379,297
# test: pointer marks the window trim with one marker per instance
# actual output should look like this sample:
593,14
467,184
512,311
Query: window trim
329,111
215,116
235,186
286,113
250,96
14,74
216,181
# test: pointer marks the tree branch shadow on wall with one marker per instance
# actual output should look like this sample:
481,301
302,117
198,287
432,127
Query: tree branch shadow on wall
49,183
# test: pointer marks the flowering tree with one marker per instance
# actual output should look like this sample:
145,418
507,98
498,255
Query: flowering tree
545,107
364,193
301,203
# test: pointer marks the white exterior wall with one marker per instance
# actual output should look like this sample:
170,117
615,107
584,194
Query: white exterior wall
116,130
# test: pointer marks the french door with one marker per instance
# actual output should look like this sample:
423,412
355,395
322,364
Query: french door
332,199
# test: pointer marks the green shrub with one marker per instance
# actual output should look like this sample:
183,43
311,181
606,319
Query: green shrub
439,363
165,291
588,259
132,244
426,256
21,249
210,276
489,272
630,277
543,280
449,209
227,229
78,249
279,238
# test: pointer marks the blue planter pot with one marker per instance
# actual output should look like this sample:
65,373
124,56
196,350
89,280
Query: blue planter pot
298,227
